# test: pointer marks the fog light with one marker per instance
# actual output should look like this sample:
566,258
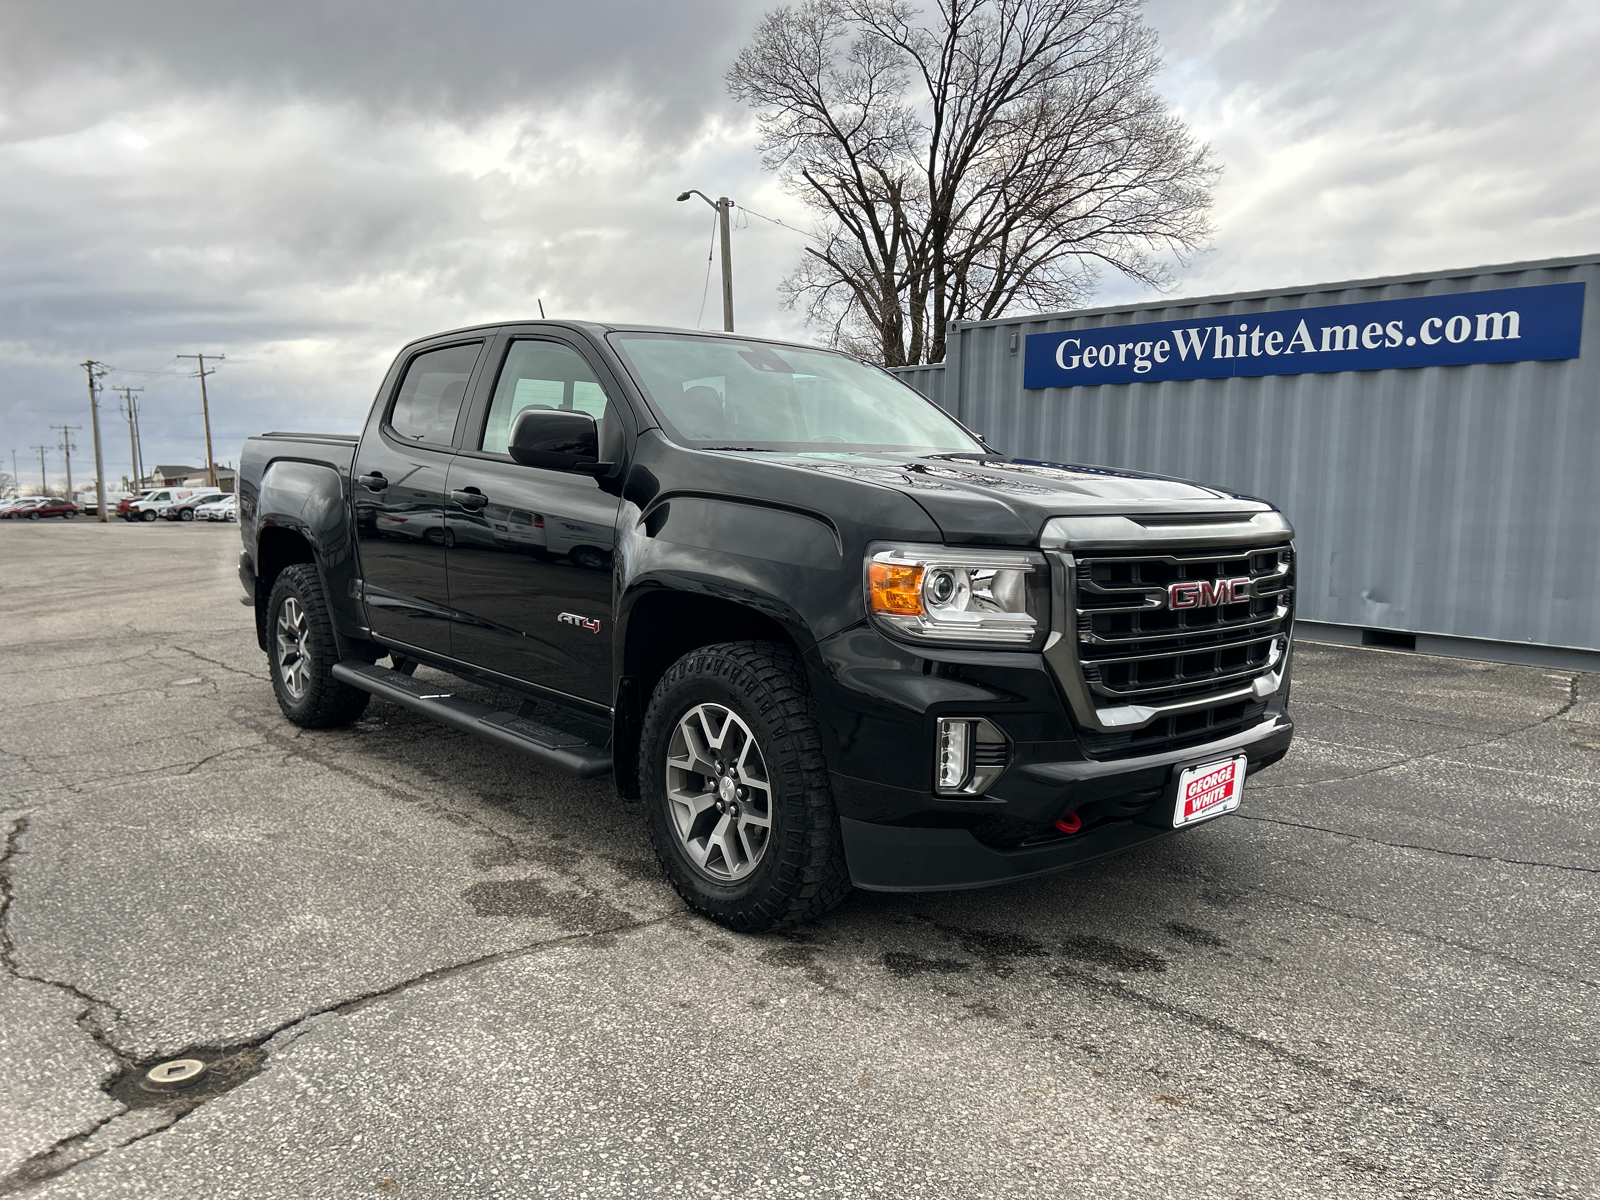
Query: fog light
955,754
969,755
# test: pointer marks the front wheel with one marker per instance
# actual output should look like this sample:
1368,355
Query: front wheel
33,516
186,514
149,514
67,516
301,652
736,792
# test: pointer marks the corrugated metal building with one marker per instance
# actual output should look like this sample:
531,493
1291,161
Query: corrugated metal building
1455,507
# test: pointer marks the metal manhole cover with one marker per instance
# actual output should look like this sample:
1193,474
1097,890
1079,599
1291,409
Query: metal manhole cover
175,1073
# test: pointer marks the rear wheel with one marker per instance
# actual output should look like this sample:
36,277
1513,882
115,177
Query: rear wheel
301,652
186,514
33,516
736,791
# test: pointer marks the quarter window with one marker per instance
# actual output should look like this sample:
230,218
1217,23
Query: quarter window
430,396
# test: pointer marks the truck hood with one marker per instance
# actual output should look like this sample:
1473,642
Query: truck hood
1006,501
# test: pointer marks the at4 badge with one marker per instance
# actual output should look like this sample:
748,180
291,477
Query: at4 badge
592,624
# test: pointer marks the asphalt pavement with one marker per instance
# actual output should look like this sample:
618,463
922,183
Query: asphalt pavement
420,966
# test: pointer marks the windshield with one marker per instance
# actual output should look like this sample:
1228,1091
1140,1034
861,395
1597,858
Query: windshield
721,393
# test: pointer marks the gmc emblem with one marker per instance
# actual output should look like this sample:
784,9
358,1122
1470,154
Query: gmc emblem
1207,593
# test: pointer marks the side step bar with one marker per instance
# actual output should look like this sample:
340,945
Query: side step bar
565,750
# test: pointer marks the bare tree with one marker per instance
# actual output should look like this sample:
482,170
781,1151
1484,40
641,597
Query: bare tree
996,155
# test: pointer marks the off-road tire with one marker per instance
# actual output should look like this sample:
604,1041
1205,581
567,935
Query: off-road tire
801,873
327,702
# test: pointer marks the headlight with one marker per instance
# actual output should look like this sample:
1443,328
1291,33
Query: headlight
936,594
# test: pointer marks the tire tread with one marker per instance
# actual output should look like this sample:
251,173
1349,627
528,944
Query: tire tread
330,703
811,875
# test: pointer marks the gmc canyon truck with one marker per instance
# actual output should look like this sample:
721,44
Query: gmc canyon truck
823,632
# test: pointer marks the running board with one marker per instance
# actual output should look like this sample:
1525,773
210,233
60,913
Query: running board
565,750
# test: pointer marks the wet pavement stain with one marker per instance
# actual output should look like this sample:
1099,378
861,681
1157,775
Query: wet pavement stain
1196,936
906,966
1106,953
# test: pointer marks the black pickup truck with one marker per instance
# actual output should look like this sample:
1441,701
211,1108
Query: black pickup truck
824,633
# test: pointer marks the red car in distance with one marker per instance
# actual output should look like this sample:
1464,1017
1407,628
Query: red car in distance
45,508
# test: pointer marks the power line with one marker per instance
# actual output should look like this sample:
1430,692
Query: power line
775,221
705,290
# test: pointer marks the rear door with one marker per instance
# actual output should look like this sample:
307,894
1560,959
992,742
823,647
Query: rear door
530,549
398,496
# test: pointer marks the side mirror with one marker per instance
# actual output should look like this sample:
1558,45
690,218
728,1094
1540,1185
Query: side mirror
555,439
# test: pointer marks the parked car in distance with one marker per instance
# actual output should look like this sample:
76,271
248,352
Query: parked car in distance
218,508
183,510
47,507
155,503
89,501
129,501
9,506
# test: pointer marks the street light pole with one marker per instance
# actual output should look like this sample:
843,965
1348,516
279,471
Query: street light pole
723,206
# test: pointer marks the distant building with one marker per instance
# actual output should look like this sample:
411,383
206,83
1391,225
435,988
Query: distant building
199,479
171,476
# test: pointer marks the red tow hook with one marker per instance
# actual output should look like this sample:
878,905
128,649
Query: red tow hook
1070,823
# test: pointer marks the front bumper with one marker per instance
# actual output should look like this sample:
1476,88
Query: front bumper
1130,799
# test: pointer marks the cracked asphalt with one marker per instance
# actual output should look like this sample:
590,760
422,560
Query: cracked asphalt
421,966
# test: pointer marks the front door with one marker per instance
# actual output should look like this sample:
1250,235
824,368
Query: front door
398,494
530,549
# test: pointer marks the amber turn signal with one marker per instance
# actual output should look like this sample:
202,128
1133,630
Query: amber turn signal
895,588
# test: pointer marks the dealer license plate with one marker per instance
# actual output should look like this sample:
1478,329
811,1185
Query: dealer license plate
1209,790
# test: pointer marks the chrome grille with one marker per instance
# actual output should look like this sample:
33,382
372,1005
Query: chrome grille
1135,650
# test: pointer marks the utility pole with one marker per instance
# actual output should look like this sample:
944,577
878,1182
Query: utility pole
67,447
96,372
130,409
723,206
43,486
205,408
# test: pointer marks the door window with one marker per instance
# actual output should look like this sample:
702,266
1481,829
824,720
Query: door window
430,396
540,375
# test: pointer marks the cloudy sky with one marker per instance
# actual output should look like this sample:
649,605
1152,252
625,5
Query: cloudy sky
306,185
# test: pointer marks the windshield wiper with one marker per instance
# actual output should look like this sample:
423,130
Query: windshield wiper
756,449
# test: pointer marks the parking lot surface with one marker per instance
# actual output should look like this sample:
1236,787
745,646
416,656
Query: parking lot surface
421,966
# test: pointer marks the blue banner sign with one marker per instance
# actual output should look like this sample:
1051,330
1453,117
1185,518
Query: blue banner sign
1507,325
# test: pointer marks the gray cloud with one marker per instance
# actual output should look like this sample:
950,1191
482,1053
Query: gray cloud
406,56
306,186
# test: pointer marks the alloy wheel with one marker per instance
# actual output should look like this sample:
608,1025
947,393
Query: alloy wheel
718,792
294,660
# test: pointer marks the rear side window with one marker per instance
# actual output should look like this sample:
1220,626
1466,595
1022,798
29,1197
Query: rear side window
430,396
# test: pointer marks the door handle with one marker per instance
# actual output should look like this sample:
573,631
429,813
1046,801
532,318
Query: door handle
470,498
373,481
